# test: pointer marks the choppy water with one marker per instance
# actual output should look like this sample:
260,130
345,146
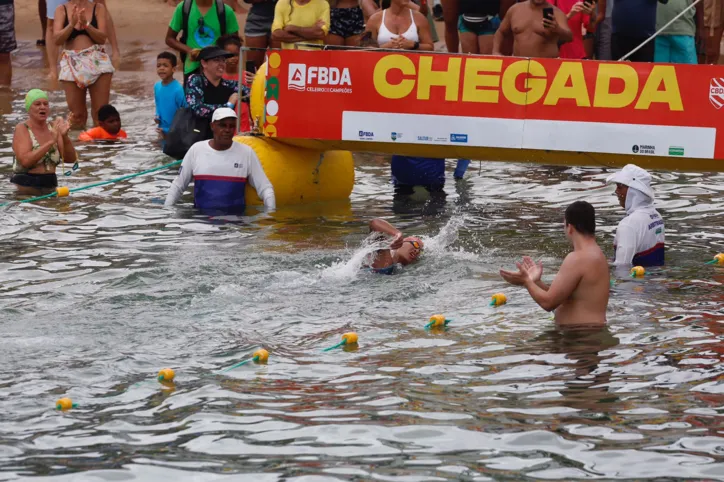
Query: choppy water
101,290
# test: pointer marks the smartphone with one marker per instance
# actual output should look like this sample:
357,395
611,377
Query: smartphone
548,13
589,3
251,67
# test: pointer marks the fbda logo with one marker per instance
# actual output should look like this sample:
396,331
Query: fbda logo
301,75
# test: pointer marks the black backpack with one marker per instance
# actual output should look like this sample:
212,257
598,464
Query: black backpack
220,12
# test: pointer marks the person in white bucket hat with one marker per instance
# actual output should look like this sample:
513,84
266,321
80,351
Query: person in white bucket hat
639,237
220,169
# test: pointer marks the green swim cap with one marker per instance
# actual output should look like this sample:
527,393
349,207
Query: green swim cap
34,95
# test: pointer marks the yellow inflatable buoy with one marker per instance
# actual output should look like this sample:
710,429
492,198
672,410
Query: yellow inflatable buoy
166,375
62,191
261,356
498,299
437,321
299,175
350,338
719,259
64,404
638,272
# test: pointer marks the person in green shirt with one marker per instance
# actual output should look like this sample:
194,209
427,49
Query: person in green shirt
676,44
204,29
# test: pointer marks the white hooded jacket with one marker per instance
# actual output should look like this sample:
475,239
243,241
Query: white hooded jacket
639,237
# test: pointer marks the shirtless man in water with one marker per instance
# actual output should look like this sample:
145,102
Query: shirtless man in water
579,293
403,250
533,34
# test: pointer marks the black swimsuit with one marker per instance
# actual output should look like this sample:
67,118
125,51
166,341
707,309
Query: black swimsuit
76,33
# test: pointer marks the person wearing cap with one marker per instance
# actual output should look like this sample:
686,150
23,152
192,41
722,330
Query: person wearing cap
403,249
207,90
40,147
220,169
639,237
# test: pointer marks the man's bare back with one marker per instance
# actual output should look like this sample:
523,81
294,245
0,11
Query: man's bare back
579,293
532,38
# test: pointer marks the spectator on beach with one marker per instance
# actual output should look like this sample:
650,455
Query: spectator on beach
43,15
677,43
109,127
232,45
579,17
472,24
301,21
202,23
258,29
52,50
604,30
370,7
400,27
39,147
347,23
713,29
168,92
220,169
84,64
535,32
633,22
7,41
207,90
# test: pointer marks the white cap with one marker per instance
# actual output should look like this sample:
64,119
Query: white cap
634,177
223,113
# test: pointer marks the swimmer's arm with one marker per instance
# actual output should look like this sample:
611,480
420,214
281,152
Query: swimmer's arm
562,287
67,151
23,148
382,226
182,181
98,35
502,33
260,182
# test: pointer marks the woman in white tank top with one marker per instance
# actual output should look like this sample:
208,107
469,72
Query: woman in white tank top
400,27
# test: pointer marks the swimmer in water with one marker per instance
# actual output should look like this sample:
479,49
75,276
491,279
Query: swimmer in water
403,250
579,292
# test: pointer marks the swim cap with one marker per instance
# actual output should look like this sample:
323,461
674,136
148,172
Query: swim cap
33,96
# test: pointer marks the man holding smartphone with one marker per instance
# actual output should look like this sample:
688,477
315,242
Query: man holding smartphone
538,28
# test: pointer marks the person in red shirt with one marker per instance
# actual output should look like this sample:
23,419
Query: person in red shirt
579,15
109,126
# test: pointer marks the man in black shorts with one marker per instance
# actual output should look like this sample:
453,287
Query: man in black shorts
7,40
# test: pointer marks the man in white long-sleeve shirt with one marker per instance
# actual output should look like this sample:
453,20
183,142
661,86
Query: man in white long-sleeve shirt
220,169
639,237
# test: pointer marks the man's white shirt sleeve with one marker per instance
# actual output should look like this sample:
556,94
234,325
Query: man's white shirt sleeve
182,181
259,181
627,241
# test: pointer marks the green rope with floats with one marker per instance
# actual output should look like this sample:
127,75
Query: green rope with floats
96,184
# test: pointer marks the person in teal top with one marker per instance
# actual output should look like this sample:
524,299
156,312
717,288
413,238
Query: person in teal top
204,28
677,44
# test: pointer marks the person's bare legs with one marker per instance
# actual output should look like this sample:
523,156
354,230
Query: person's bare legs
256,56
332,39
469,43
6,70
485,44
100,94
353,41
75,97
43,14
53,52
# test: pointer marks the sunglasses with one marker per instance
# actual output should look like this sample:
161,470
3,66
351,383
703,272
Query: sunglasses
415,244
70,172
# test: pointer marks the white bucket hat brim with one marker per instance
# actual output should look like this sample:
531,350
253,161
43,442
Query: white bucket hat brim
634,177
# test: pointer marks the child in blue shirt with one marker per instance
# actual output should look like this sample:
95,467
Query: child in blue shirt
168,91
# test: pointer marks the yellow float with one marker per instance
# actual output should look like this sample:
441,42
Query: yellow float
299,175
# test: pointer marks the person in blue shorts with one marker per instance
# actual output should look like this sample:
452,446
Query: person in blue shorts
168,92
677,43
402,251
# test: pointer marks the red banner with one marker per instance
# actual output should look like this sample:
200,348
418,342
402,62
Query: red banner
483,101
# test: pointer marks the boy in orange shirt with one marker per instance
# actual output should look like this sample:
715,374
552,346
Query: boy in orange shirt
109,126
